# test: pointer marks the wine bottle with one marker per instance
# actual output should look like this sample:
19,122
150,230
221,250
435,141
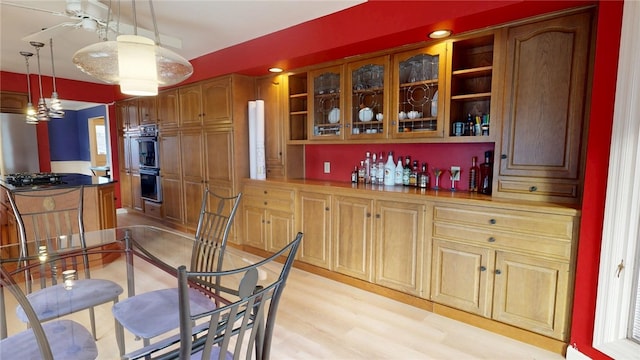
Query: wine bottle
354,175
486,174
361,173
423,177
474,175
367,167
406,171
413,177
373,172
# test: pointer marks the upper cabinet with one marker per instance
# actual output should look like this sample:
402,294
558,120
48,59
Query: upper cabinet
418,81
206,103
366,110
297,105
325,103
546,84
470,89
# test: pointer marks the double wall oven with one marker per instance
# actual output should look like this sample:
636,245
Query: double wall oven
149,163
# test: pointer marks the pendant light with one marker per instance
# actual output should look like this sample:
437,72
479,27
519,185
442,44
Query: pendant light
42,113
138,64
55,106
31,111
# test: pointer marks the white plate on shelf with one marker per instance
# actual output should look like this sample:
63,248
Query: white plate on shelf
434,104
334,116
365,114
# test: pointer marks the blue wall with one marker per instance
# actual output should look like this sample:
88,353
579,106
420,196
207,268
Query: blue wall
69,137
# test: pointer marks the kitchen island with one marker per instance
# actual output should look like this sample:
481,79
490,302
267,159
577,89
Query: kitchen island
99,210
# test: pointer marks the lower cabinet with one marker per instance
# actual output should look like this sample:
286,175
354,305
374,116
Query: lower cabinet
509,266
399,239
352,236
267,217
315,223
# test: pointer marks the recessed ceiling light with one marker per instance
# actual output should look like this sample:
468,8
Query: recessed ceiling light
275,70
439,34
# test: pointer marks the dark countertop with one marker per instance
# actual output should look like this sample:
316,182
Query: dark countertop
69,180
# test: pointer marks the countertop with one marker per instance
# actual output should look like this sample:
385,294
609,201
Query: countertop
68,180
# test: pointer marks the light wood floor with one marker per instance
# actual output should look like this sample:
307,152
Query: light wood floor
320,318
323,319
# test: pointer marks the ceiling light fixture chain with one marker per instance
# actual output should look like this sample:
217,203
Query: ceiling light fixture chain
43,112
31,111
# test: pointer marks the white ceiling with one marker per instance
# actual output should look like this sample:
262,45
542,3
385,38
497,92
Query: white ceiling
203,26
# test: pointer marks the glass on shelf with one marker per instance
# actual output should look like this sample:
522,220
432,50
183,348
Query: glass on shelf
436,175
454,175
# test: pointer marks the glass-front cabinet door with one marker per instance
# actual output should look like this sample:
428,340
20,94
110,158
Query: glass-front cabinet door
325,104
367,99
418,105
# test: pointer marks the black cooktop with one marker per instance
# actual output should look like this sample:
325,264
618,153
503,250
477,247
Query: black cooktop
28,179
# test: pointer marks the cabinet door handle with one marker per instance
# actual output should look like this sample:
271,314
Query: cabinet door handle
533,188
377,216
498,272
368,215
483,268
265,192
265,203
326,209
492,239
503,156
268,222
492,221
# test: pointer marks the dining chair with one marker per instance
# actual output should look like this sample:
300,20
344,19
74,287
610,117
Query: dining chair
154,313
57,339
53,219
235,329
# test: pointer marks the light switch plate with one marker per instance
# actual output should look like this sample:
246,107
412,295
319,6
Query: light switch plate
327,167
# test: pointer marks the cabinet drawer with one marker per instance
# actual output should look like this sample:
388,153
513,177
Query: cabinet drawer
268,203
538,188
153,209
532,244
557,226
268,192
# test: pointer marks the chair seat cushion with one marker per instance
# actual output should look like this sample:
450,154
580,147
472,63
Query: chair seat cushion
67,339
156,312
215,354
56,301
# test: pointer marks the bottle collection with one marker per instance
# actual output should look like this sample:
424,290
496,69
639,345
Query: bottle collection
403,171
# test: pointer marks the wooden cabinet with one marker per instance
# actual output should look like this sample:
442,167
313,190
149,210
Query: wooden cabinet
546,84
171,176
511,266
130,190
418,93
399,241
267,216
207,103
368,84
13,102
352,236
325,104
315,222
127,114
192,160
106,195
297,108
473,88
167,108
147,110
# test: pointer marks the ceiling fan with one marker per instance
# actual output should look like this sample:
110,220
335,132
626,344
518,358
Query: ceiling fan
91,15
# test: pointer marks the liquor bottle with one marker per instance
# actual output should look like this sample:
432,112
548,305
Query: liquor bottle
389,170
354,175
423,177
413,177
398,172
380,173
474,175
406,171
361,173
486,174
373,173
367,167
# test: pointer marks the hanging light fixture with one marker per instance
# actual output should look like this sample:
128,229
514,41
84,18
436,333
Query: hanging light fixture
31,111
42,113
55,106
138,64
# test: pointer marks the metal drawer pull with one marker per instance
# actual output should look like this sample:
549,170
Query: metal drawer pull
498,272
533,188
492,239
483,268
492,221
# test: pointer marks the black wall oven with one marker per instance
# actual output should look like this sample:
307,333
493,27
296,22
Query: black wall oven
148,147
151,186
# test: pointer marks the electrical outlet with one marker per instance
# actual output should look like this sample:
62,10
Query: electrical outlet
327,167
455,170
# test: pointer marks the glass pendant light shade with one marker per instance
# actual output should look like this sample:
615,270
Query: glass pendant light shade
137,65
31,111
55,106
102,61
